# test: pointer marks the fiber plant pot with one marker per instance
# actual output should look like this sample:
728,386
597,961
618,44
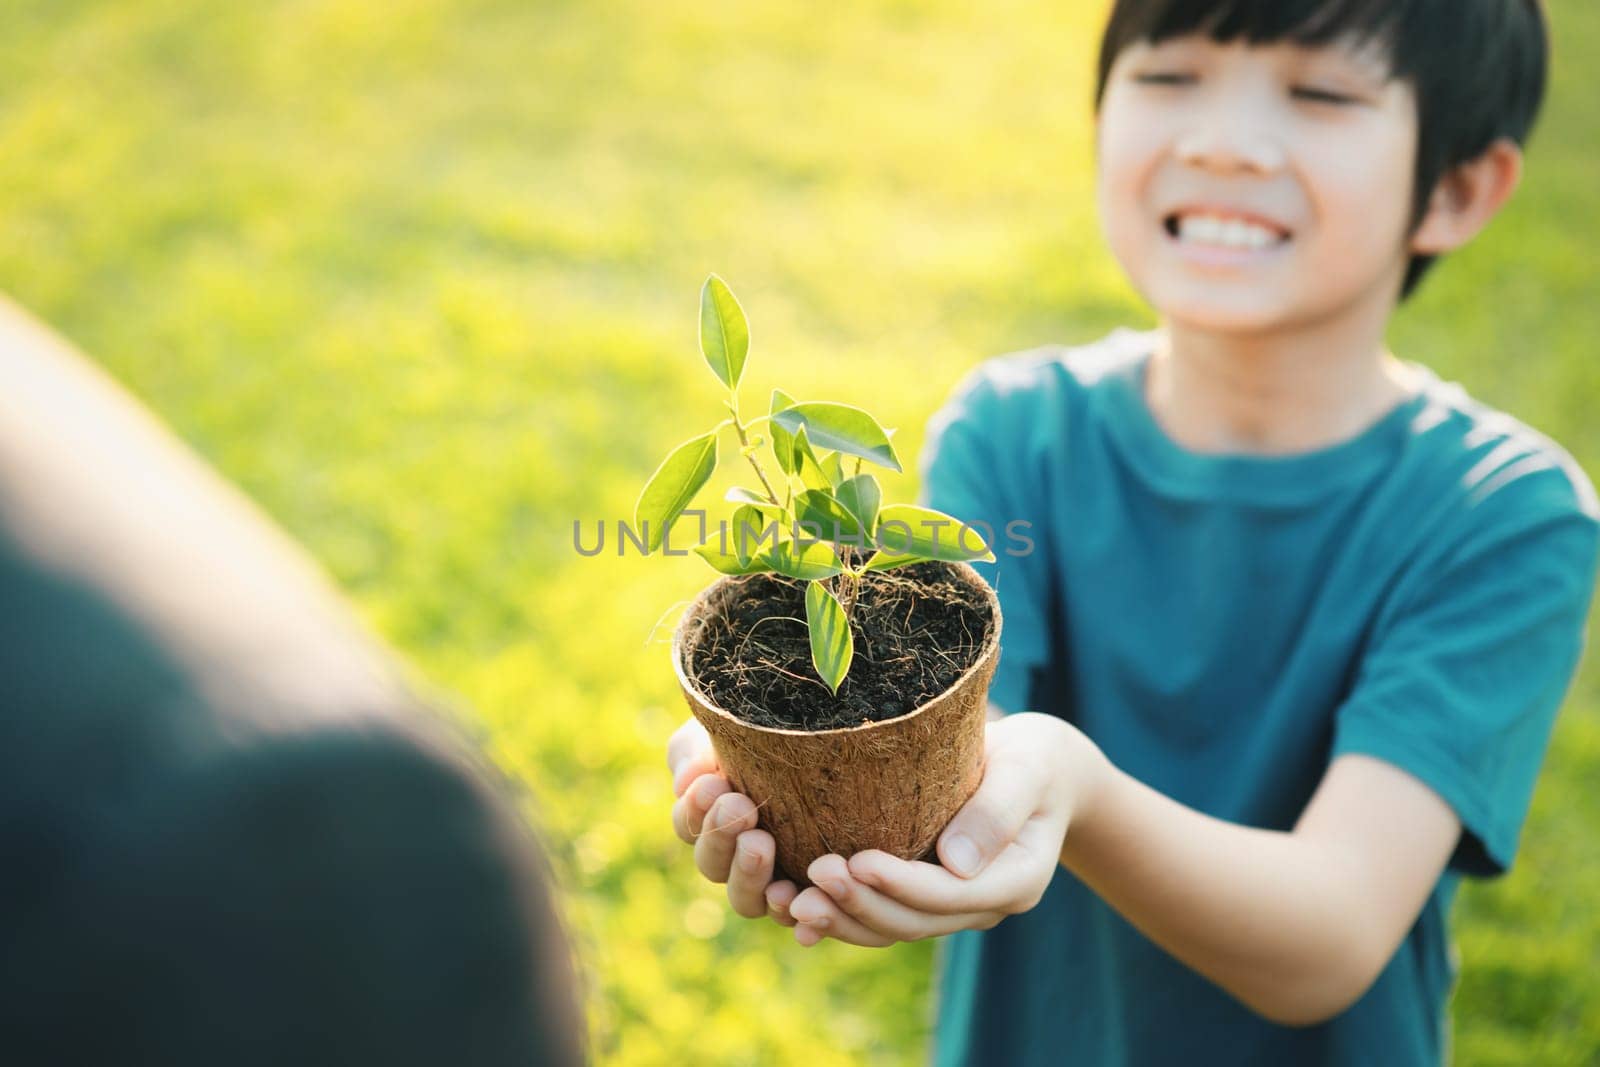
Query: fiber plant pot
892,785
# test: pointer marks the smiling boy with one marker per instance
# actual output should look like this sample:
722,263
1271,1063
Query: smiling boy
1301,613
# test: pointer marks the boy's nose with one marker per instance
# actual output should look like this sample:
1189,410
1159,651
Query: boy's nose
1230,149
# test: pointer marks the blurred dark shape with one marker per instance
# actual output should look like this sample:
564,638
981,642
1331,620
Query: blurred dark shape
229,832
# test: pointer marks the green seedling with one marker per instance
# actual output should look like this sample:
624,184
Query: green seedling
812,519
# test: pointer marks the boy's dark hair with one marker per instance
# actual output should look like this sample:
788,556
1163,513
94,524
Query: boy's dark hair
1478,66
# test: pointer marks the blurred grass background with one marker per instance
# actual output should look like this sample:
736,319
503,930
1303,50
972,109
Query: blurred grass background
422,278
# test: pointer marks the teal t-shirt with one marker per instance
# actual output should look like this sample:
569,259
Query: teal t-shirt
1223,626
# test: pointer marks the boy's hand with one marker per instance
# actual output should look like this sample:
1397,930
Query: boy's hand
721,825
1003,846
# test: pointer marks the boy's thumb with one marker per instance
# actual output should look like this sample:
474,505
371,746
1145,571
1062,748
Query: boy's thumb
986,824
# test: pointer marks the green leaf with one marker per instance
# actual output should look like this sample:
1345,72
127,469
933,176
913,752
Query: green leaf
782,440
674,484
842,428
712,551
886,561
805,562
740,495
909,534
832,644
806,464
861,496
745,532
724,334
833,520
833,467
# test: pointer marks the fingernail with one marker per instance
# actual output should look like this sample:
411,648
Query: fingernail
821,922
749,861
961,853
835,890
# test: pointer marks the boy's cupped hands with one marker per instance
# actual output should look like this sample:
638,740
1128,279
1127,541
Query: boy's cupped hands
998,854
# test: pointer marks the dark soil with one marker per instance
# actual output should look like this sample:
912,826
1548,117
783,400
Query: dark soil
917,629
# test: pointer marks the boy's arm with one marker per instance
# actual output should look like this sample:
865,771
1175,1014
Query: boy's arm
1296,925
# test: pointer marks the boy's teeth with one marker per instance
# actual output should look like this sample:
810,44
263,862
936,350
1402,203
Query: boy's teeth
1227,233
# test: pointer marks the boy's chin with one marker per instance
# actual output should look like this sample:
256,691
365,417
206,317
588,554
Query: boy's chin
1239,318
1234,308
1265,305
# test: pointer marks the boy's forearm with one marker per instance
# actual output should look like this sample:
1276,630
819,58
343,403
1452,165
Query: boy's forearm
1266,915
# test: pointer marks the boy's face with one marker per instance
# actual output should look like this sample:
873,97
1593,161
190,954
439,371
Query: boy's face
1256,189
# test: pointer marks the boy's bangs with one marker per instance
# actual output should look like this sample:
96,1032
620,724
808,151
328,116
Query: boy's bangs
1305,22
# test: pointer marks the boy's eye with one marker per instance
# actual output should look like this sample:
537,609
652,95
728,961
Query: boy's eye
1321,96
1164,77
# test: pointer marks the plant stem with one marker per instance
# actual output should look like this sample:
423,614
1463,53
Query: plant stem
744,443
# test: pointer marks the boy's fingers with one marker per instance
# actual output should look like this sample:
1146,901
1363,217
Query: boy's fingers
693,766
688,737
779,896
1007,885
731,814
991,820
689,810
878,913
816,912
924,887
753,854
689,742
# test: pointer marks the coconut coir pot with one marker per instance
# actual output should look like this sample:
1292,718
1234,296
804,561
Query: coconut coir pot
892,784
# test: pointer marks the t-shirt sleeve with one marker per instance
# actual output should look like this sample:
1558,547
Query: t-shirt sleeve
974,468
1464,676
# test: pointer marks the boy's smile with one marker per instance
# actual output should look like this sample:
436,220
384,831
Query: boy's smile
1223,235
1253,189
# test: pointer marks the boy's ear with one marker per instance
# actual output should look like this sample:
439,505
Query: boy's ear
1467,197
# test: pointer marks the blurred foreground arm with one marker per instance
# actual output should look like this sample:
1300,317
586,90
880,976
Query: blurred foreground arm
231,833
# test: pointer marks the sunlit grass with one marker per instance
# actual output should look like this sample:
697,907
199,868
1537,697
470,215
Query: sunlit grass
421,277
